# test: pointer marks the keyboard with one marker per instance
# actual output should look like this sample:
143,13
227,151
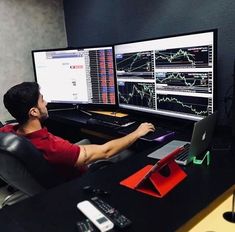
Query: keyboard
183,155
159,134
112,120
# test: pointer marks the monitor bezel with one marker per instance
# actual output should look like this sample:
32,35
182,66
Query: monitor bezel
80,105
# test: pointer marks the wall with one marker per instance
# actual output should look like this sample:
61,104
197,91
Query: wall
97,22
26,25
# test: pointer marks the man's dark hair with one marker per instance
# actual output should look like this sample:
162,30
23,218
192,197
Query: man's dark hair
19,99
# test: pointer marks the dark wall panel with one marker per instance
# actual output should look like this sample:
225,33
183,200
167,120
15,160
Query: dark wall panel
90,22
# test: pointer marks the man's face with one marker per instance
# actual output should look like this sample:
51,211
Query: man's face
42,108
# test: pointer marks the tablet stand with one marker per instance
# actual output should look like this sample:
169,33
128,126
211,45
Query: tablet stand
159,182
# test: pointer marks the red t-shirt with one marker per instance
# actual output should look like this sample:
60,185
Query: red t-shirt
57,151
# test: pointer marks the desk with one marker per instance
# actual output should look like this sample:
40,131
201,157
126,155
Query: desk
55,210
75,118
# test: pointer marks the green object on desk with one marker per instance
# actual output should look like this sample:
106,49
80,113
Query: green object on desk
200,161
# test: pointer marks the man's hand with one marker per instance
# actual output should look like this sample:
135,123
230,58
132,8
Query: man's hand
144,128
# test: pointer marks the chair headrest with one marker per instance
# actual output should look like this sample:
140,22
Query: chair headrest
26,152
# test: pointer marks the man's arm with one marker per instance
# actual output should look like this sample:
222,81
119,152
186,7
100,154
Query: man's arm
92,152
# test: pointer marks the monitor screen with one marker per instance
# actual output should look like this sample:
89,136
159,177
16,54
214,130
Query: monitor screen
77,76
172,76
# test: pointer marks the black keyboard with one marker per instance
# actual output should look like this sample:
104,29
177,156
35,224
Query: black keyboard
158,134
112,120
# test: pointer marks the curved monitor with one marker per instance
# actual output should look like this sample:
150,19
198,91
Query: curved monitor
77,76
172,76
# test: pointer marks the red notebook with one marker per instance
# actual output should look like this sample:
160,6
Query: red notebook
157,180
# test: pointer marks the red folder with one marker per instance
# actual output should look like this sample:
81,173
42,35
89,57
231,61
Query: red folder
157,180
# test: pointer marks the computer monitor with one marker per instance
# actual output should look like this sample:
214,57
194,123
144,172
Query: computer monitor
76,76
171,76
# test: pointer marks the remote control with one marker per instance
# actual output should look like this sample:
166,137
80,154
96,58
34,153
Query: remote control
86,226
113,214
95,215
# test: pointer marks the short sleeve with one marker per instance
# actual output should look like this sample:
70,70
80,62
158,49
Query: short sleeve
57,150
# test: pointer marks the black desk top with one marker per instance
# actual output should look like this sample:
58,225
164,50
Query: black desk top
55,210
75,117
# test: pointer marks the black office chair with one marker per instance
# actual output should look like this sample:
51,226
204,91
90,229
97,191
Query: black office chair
23,167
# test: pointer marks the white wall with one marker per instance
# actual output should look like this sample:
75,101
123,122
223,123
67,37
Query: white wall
26,25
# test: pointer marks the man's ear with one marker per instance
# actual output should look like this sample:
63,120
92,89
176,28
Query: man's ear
33,112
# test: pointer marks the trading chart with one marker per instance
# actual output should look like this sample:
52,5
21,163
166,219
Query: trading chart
184,57
138,64
198,82
185,104
140,94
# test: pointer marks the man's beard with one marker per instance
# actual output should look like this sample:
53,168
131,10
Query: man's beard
43,117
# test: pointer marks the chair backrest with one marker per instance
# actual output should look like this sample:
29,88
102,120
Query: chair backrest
14,173
23,166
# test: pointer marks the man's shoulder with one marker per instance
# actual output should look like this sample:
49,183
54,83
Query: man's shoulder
38,134
8,128
43,134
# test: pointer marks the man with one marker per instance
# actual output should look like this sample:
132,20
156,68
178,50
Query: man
26,104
